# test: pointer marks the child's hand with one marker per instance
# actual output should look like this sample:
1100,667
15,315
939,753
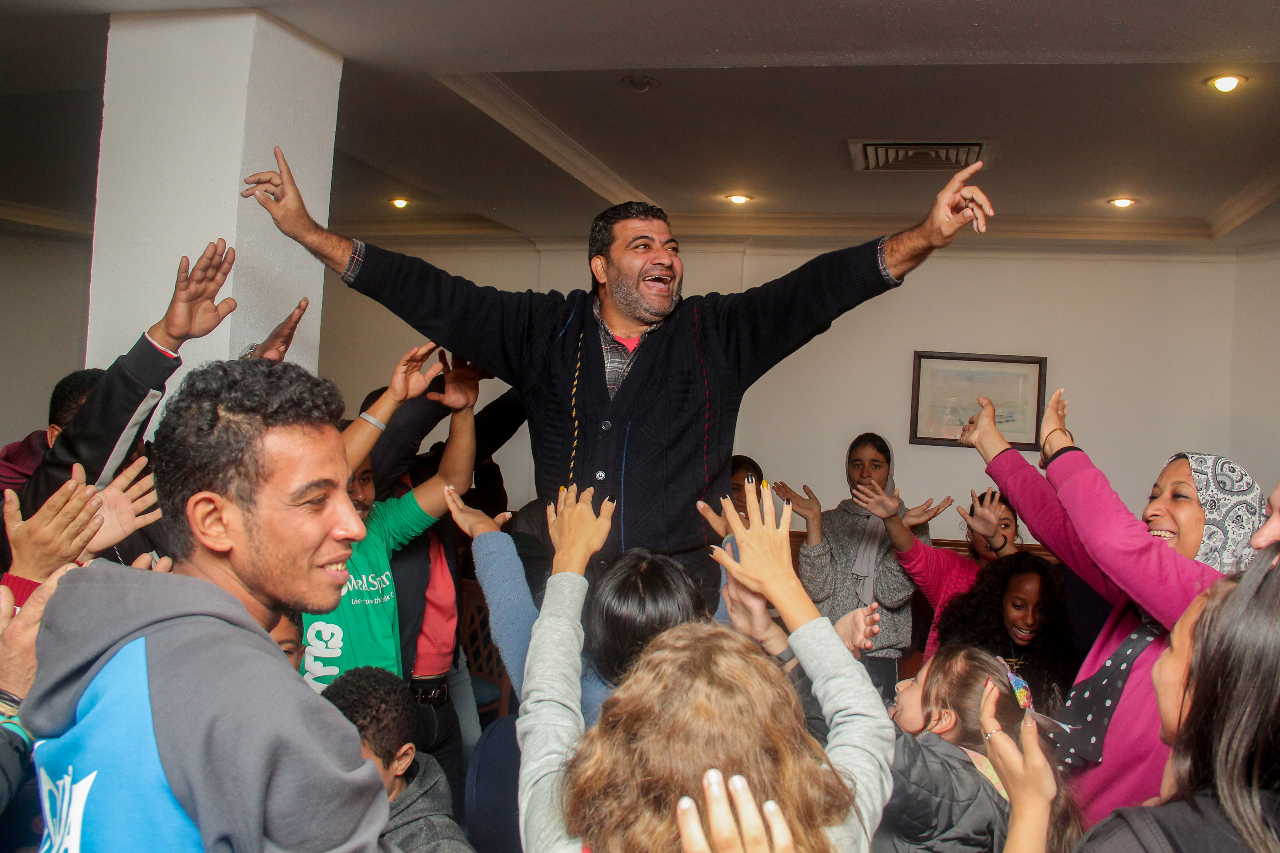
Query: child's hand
726,837
716,520
576,531
470,521
858,628
461,384
407,381
925,513
875,501
985,520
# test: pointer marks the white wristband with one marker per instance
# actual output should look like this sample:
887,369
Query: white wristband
371,419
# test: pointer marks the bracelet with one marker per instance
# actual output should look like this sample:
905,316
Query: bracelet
365,416
1002,544
1045,440
7,698
785,656
19,729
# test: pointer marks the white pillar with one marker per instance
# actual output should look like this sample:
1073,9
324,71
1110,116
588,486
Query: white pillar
194,102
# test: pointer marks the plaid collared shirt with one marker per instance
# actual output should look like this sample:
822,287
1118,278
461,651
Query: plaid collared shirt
617,358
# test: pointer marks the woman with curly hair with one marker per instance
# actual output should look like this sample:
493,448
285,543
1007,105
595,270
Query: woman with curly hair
1017,609
699,696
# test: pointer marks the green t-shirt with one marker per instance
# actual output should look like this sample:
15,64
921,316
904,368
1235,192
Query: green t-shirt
364,629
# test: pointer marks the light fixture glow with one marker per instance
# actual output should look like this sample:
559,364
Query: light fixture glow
739,199
1228,83
1123,202
399,202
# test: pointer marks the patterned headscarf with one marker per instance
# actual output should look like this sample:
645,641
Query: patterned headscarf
1233,509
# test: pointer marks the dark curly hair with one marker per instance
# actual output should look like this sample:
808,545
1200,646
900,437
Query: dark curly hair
1050,662
379,705
601,238
210,438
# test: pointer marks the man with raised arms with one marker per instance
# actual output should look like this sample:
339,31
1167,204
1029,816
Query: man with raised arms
629,388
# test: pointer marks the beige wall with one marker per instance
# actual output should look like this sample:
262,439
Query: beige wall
1255,367
1143,342
44,311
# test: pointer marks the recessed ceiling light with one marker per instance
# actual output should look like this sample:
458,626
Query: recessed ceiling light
1123,202
1227,83
399,202
739,199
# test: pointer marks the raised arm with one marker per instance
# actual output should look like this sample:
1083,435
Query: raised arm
114,416
1034,499
407,382
761,326
488,326
456,465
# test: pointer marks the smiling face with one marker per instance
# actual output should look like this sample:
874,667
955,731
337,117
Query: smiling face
1270,530
1173,512
1022,608
868,465
1169,672
643,273
290,548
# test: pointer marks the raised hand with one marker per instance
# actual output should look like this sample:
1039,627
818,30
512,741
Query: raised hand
1026,775
1053,428
193,311
18,634
716,520
749,613
124,507
858,628
982,433
807,506
461,384
470,521
57,533
957,206
277,343
278,193
926,512
576,531
985,520
747,835
764,557
874,500
408,380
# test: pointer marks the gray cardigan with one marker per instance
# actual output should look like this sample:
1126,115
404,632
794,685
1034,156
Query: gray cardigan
860,744
825,573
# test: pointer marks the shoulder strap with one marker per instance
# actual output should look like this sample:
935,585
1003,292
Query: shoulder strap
1147,830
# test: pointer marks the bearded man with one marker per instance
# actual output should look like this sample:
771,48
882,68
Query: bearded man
629,388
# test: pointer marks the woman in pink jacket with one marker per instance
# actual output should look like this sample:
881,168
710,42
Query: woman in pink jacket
1196,526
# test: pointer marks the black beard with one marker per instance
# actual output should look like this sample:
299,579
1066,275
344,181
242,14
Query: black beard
625,293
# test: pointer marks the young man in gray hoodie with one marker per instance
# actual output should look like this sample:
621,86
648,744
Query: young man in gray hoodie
166,717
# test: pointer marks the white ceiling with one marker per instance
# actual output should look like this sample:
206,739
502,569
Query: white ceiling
1087,100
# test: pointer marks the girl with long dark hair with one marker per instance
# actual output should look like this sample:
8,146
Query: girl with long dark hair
1017,609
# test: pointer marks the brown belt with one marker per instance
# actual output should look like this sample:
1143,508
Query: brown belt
433,690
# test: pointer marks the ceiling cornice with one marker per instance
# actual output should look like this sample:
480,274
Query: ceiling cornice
1244,205
498,101
43,217
423,225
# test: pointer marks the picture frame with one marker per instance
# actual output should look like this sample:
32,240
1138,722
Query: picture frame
945,387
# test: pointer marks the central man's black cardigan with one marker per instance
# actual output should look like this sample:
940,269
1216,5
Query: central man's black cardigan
665,440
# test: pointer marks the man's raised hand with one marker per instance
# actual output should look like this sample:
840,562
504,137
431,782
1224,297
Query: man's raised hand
956,206
278,193
276,346
193,310
18,634
408,380
471,521
461,384
124,506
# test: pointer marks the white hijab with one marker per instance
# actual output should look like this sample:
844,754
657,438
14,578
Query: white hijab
873,539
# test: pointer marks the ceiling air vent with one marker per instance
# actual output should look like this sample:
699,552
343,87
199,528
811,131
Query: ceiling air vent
873,155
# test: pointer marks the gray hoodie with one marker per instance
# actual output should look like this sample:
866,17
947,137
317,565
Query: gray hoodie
169,721
420,819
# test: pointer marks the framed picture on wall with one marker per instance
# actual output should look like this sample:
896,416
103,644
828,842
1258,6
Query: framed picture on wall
945,387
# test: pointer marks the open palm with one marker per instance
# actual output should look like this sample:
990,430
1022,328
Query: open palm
124,507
